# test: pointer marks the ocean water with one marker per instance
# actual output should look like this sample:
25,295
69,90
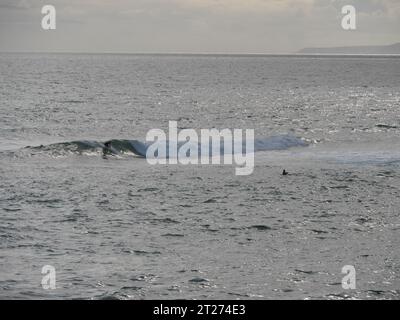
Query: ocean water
118,227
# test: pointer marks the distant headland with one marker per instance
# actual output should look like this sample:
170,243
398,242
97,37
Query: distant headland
388,49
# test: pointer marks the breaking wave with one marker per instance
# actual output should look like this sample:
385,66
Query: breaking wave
139,148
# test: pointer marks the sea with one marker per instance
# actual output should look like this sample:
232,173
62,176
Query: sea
117,227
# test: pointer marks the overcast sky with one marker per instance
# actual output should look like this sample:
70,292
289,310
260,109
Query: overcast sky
195,26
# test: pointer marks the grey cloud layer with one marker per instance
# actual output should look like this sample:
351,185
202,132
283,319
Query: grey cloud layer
232,26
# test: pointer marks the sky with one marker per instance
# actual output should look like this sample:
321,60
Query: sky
194,26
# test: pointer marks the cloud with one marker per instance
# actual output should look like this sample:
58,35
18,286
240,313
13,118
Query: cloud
246,6
232,26
15,4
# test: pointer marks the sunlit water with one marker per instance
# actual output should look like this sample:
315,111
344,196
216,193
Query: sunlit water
120,228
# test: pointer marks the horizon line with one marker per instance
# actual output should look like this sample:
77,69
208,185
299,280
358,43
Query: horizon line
292,54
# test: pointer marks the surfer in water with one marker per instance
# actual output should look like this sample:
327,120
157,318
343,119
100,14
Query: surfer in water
284,172
107,149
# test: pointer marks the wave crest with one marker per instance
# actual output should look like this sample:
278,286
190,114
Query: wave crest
138,148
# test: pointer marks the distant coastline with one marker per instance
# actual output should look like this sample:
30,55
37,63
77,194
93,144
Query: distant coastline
358,50
213,55
392,50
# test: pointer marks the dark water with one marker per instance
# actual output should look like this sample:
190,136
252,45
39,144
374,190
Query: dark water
120,228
